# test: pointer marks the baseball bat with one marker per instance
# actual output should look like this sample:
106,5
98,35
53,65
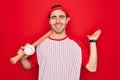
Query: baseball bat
16,58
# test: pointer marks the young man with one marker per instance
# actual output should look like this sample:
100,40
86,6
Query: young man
59,56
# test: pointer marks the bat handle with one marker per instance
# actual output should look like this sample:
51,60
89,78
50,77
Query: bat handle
29,50
14,59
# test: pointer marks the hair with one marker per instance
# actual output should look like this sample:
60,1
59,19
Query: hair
57,6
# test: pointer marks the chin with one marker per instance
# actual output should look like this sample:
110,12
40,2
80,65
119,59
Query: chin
58,32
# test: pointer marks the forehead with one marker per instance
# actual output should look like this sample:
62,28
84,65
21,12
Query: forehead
57,12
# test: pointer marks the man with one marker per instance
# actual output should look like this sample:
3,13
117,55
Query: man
60,56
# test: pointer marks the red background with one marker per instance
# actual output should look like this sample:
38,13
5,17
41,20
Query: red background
23,21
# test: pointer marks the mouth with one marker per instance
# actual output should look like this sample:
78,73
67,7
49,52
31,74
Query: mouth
58,27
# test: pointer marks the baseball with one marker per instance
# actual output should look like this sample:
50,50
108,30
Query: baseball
29,50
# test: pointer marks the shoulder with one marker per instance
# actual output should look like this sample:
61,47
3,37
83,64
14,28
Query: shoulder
77,40
43,42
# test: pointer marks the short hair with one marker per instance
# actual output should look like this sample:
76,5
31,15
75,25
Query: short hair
57,6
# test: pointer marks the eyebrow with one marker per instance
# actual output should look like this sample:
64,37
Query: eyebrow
53,16
59,16
62,16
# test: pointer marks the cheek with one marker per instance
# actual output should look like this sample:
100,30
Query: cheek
65,22
51,22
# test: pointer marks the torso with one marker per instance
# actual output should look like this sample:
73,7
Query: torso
59,60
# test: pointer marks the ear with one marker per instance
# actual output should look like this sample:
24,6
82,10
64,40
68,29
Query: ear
68,19
49,21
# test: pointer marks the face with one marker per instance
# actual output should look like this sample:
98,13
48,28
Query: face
58,21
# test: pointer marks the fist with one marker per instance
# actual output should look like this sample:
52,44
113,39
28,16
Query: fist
27,49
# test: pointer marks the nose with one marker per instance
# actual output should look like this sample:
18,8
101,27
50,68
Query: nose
57,20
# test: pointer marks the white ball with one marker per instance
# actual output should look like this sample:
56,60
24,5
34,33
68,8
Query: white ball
29,50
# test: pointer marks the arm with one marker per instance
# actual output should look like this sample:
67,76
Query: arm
92,63
14,59
24,60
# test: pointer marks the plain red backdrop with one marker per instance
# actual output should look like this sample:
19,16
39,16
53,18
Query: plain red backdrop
23,21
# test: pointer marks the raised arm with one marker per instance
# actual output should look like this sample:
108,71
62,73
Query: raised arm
92,63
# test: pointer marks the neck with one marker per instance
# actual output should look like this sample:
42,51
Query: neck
58,36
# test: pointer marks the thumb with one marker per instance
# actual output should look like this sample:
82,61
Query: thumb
88,37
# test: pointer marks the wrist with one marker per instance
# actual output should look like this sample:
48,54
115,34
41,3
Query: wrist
92,41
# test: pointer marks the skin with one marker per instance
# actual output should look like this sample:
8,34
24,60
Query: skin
58,22
92,63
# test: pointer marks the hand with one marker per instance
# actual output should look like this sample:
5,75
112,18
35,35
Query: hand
95,35
22,48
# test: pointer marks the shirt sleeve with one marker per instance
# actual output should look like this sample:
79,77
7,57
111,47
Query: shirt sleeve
33,60
85,57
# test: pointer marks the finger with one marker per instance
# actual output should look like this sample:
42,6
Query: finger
22,47
97,33
20,51
88,36
27,44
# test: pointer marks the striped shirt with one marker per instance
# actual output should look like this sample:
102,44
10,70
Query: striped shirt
60,59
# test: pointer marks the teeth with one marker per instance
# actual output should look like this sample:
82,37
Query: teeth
58,25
